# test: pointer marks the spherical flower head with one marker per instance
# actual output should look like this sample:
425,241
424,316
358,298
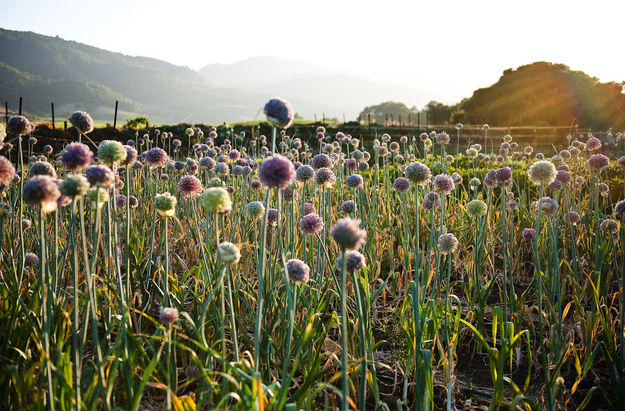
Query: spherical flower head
19,125
229,253
5,210
593,144
430,201
299,271
529,233
471,152
207,163
131,156
423,136
402,185
168,315
619,209
304,173
443,183
31,260
217,200
418,173
189,186
112,152
442,139
457,178
120,201
289,195
476,208
176,143
572,217
548,206
351,164
347,234
542,172
311,224
76,156
474,182
621,162
256,185
82,121
325,177
279,112
597,162
156,157
556,185
74,185
165,205
321,161
133,202
354,181
348,207
512,205
447,243
41,191
355,261
98,196
609,226
307,208
255,210
7,172
504,175
272,217
189,132
101,176
276,172
564,177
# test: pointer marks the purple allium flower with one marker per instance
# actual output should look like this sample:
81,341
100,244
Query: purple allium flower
31,260
609,226
430,201
100,175
48,149
382,151
351,164
311,223
305,173
619,209
156,157
363,166
564,177
355,261
443,183
288,194
256,185
325,177
354,181
272,217
621,162
132,200
394,146
189,186
321,161
276,172
423,136
82,121
120,201
442,139
418,173
76,156
168,316
512,205
572,217
504,175
402,185
19,125
597,162
299,271
348,207
131,156
41,168
234,155
7,171
548,206
556,185
347,234
176,143
593,144
221,169
279,112
529,233
41,191
237,171
307,209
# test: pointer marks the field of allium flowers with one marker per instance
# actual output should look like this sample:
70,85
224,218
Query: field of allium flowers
256,272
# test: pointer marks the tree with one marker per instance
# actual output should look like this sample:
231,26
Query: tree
380,112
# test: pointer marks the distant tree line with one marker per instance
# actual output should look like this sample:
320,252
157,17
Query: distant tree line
538,94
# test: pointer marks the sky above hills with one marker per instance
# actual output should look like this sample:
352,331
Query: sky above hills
445,48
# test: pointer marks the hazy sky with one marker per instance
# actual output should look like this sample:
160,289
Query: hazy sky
449,47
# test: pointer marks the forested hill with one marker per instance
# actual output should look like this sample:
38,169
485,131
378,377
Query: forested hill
547,94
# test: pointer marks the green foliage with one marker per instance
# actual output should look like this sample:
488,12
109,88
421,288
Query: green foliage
137,122
379,112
